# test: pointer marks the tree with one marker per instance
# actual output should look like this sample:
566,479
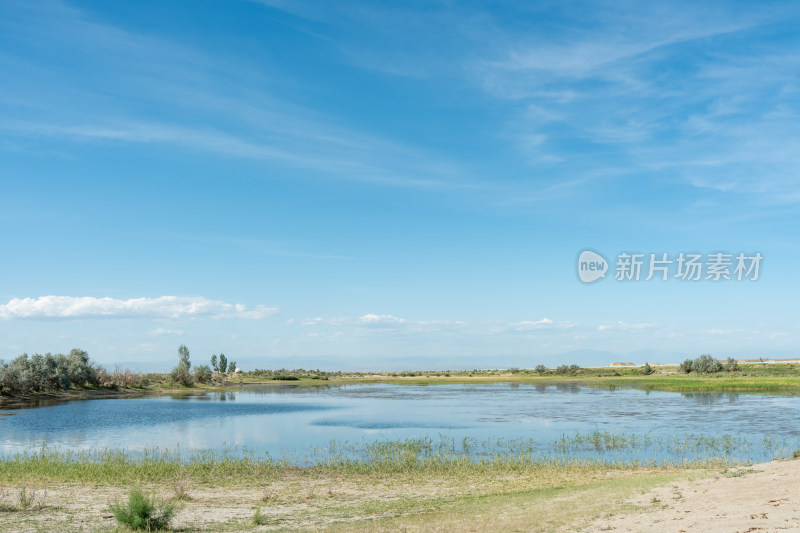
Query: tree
706,364
732,365
214,363
647,369
232,366
223,363
540,369
183,356
202,373
181,373
686,366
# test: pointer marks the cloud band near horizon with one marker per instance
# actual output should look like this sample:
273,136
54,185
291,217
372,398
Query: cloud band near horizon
173,307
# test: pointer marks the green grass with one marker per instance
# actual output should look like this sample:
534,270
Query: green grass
143,512
425,457
759,377
381,486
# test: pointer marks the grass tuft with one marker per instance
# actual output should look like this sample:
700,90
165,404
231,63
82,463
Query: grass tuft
143,512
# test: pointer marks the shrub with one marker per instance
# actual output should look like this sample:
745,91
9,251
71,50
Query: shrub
705,364
202,373
647,369
731,365
540,369
562,369
574,369
47,373
143,512
686,366
181,374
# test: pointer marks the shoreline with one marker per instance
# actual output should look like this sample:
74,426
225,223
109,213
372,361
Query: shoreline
666,380
536,497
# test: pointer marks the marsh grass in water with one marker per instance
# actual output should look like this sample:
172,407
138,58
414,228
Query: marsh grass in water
446,456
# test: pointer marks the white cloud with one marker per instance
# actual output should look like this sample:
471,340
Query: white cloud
69,307
368,320
166,332
623,326
379,320
533,324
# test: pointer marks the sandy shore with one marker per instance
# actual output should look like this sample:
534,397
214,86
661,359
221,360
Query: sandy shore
763,498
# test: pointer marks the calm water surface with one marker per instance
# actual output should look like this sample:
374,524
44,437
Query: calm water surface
289,421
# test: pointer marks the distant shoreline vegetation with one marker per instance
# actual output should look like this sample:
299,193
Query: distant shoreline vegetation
59,374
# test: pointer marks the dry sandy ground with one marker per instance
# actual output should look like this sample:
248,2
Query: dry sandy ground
761,498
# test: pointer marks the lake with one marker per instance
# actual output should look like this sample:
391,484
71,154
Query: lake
299,423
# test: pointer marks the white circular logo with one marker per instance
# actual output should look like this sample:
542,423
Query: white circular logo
591,266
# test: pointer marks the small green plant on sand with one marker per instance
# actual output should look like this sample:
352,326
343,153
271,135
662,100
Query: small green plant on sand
143,512
260,519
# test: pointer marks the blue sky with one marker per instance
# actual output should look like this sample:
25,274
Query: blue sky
394,185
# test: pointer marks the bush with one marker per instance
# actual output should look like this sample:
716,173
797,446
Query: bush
731,365
143,512
705,364
47,373
181,374
513,370
571,369
202,373
647,369
541,369
686,366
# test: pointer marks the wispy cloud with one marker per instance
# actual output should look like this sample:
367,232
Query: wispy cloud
162,332
624,326
234,111
172,307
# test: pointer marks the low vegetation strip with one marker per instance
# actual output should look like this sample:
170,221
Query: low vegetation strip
60,374
391,485
385,482
595,451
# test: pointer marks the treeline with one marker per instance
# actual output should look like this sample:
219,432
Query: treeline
291,375
183,374
705,364
49,373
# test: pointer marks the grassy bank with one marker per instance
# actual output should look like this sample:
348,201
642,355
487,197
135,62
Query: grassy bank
753,378
391,486
782,378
